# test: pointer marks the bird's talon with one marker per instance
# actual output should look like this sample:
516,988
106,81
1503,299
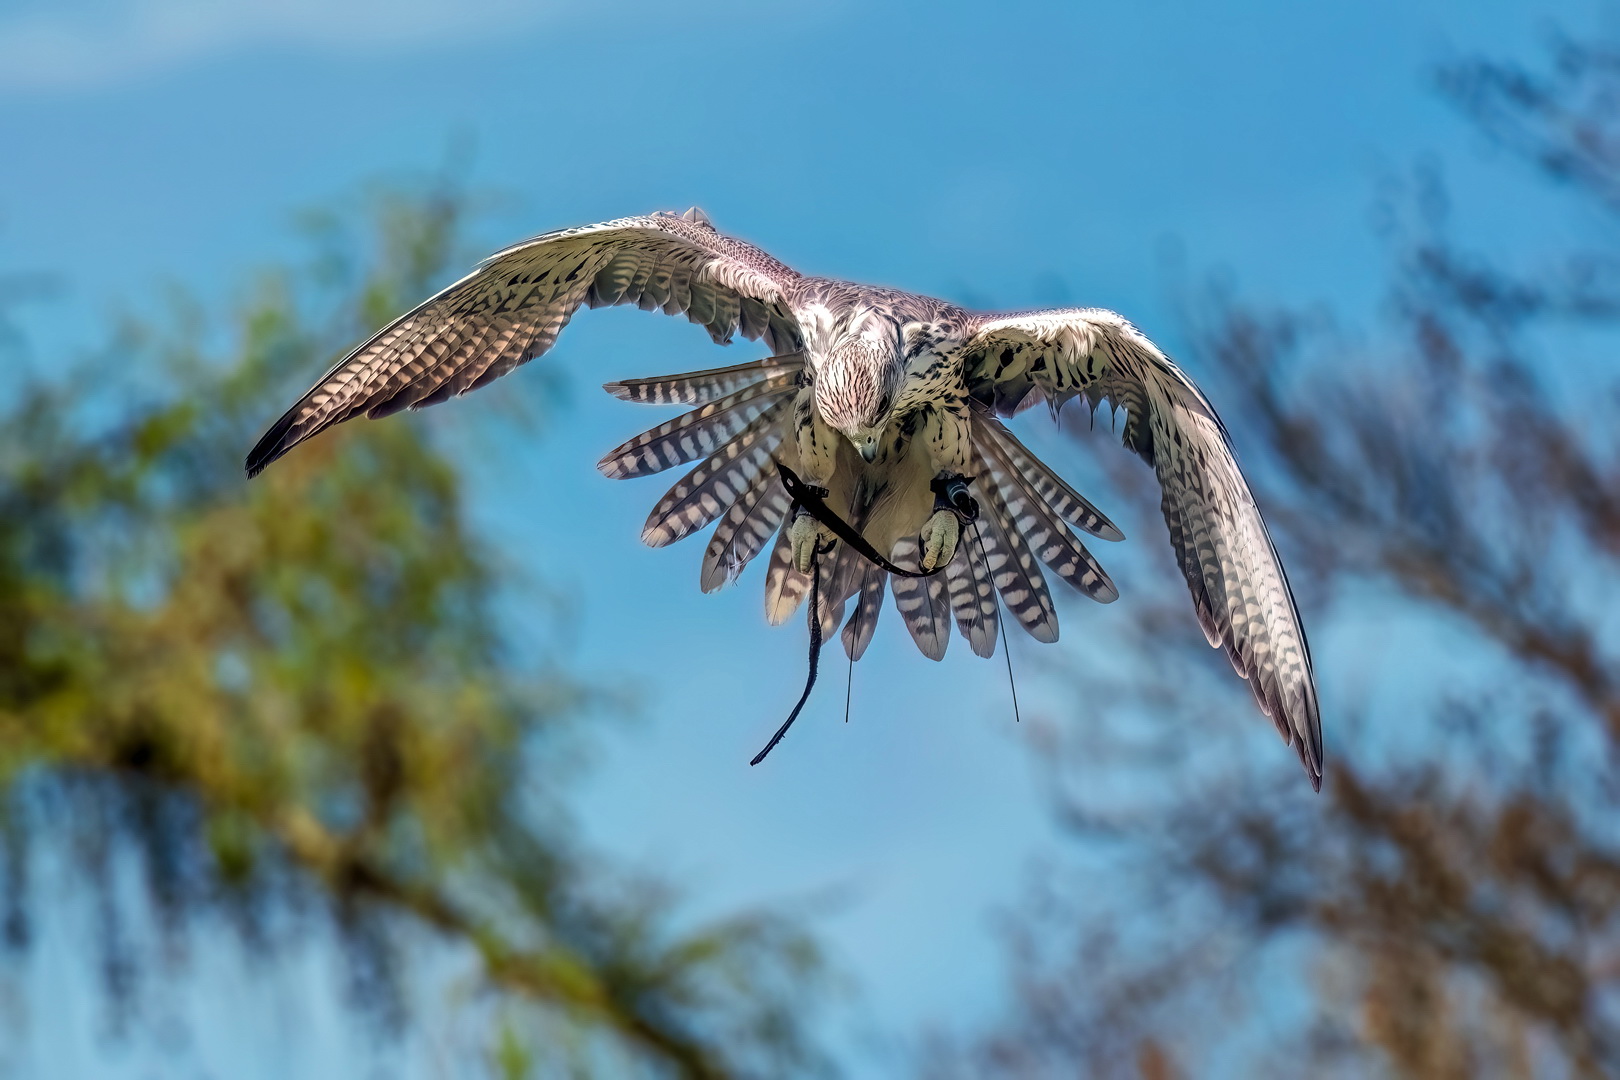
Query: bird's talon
939,537
807,536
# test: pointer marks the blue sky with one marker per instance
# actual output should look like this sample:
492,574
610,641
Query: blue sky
1008,156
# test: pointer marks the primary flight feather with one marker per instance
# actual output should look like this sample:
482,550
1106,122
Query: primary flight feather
871,395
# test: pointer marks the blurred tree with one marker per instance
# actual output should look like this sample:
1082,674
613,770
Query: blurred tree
1450,907
290,699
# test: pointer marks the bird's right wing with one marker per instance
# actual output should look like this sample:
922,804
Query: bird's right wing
512,307
1237,581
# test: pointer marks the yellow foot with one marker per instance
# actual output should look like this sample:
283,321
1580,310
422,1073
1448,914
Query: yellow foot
939,536
806,534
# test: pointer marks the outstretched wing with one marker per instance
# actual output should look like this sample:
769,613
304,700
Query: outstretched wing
1238,585
512,307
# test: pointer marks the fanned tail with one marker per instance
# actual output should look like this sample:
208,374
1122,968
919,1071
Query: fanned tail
716,485
1048,536
972,596
736,428
1013,566
784,585
842,574
840,579
702,387
922,602
1047,485
857,633
697,433
744,529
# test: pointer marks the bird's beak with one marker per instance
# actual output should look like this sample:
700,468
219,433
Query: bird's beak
869,449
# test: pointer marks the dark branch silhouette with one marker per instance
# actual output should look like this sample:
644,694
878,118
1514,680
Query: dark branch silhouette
1453,910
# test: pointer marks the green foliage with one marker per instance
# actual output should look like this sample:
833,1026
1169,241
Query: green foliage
297,687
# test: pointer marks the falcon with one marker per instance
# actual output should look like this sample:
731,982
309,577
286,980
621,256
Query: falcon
887,405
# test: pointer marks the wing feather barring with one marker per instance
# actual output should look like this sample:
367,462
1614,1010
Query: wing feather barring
875,398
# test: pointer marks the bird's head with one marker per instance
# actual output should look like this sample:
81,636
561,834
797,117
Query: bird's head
857,387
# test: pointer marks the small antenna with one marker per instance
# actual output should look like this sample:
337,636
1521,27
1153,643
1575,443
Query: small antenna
849,687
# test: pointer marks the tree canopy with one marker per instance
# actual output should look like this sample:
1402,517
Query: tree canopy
296,695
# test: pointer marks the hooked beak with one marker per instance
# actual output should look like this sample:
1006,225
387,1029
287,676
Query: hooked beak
869,449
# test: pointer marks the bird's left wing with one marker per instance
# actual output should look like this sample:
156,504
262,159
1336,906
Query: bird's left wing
1238,585
512,307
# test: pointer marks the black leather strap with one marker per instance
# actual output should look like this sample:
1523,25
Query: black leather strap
806,496
951,493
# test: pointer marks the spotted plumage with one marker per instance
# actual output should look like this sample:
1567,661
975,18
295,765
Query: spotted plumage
870,394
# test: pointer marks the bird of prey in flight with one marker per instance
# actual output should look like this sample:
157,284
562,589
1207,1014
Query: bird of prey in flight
881,402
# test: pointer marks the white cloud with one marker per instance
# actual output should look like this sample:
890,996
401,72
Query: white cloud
64,44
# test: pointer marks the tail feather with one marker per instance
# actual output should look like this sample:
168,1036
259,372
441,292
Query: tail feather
715,486
1057,547
972,597
839,582
702,387
1014,568
785,586
857,633
922,602
743,530
832,613
1064,501
697,433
